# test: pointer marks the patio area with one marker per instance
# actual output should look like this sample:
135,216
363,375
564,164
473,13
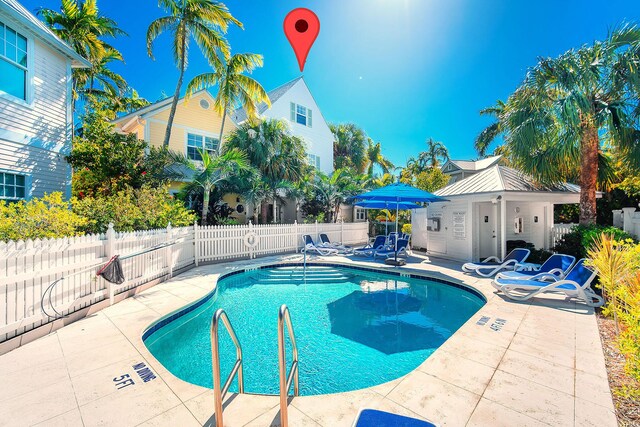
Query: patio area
543,365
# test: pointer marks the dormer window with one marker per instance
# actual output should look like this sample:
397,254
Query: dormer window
13,62
301,114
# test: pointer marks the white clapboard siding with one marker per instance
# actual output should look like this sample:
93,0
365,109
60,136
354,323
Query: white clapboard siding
28,268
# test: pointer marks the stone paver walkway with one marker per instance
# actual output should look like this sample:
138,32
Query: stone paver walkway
544,367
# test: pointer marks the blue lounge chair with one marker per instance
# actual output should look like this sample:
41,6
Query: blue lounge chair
493,265
375,418
555,267
369,250
389,252
577,284
326,243
310,246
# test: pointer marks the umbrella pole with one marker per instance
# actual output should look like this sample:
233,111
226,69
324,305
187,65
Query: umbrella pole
396,241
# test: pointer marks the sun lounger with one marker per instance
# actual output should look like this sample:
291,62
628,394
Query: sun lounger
577,284
389,252
310,246
375,418
369,250
326,243
555,267
493,265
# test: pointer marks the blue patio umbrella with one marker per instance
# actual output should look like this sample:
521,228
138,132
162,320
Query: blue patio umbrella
396,194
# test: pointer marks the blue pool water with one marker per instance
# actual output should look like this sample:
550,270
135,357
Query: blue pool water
354,329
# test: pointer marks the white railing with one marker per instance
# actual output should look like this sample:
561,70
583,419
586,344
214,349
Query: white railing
28,268
558,231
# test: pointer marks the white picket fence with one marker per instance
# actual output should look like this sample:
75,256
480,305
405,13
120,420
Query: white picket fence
558,231
28,269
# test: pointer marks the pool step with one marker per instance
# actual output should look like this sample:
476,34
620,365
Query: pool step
313,274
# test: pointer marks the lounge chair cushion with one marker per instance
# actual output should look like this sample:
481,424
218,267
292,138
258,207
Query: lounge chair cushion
375,418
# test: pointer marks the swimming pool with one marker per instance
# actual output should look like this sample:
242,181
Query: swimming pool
354,328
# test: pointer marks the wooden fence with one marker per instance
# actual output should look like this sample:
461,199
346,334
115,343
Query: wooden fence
44,280
558,231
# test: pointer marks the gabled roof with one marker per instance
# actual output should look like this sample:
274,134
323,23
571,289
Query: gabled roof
15,10
240,115
473,165
497,179
153,107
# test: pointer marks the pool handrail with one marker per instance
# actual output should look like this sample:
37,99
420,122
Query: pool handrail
285,380
218,391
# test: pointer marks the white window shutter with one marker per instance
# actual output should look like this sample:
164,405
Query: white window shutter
308,117
293,112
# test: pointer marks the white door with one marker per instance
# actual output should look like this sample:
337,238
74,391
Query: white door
487,230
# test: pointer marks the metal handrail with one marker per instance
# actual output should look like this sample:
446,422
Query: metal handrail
218,391
285,380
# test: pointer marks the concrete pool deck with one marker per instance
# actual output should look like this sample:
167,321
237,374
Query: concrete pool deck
544,366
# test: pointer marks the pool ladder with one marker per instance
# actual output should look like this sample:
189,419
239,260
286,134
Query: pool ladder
285,380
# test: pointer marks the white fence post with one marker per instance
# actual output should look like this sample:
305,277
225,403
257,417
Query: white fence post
196,244
297,238
251,254
110,247
316,236
169,251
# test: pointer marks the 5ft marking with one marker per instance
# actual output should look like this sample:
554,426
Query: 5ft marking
123,381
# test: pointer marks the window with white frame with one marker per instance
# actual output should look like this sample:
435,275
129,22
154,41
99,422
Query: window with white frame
314,160
301,115
13,186
360,214
197,142
13,62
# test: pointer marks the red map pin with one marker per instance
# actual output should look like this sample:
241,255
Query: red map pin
301,26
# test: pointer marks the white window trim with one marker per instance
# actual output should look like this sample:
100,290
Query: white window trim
28,185
358,211
30,66
199,133
308,117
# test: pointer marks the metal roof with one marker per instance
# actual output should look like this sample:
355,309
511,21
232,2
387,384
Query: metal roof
15,10
240,115
498,179
474,165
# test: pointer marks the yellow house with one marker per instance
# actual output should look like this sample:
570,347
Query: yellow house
195,125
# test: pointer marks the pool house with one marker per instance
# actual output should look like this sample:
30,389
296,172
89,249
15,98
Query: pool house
486,211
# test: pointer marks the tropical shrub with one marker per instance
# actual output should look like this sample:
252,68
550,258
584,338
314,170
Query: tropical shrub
133,209
581,237
618,265
47,217
406,228
310,218
105,162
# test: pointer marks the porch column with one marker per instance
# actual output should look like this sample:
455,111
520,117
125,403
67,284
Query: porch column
503,228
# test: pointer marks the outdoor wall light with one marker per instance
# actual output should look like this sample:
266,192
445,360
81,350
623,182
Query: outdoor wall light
517,209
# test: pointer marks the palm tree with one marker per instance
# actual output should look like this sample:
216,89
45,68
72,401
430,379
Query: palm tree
211,172
349,146
436,151
81,25
573,107
374,157
235,90
271,149
254,194
204,20
491,132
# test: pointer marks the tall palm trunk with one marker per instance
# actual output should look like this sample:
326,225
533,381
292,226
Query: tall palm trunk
176,94
205,206
589,145
274,210
264,212
224,116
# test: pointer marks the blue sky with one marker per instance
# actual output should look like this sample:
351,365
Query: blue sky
404,70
